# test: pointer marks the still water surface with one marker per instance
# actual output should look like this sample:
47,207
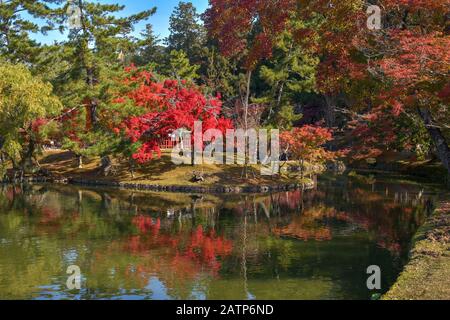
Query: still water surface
131,245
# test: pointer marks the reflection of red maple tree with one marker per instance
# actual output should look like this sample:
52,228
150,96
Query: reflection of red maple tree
50,216
199,248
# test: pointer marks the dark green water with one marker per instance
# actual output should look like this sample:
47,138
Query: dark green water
299,245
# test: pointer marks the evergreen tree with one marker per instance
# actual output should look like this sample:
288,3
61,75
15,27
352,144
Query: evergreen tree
289,72
219,74
150,51
96,44
181,68
15,43
186,33
98,47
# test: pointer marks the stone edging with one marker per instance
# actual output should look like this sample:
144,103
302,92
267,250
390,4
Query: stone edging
174,188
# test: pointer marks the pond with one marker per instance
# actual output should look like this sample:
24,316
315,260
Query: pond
314,244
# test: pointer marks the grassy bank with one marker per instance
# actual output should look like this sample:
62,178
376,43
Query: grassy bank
428,170
427,276
162,172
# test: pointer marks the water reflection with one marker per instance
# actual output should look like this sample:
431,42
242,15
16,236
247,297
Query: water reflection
130,245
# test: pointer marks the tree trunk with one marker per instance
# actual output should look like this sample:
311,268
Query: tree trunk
246,100
330,113
93,116
246,103
278,102
93,103
443,150
91,80
106,165
80,162
280,97
131,166
27,163
302,168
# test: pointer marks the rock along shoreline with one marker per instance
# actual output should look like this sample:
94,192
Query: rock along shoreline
217,189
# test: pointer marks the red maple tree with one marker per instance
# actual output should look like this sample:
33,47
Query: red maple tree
232,23
164,107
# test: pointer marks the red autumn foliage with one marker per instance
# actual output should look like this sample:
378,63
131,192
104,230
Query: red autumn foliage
399,68
418,58
334,40
37,124
230,22
377,132
165,107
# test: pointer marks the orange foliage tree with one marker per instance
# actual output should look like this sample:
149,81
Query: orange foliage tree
307,143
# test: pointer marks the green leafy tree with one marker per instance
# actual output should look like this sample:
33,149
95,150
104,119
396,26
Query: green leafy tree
25,101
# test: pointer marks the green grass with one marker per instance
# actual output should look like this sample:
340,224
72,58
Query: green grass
162,172
427,276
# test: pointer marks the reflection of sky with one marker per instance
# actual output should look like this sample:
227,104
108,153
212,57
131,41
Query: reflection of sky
199,293
158,289
155,290
70,256
58,292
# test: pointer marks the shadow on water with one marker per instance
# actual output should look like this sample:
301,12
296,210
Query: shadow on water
315,244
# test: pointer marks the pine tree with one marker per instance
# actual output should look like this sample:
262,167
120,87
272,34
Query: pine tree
150,51
99,45
186,33
181,68
290,71
219,74
16,44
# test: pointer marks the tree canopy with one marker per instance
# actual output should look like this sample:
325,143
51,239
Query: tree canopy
25,105
283,64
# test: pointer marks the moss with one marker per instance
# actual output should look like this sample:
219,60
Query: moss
427,276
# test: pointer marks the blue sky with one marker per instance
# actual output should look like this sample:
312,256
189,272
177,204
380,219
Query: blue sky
160,20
